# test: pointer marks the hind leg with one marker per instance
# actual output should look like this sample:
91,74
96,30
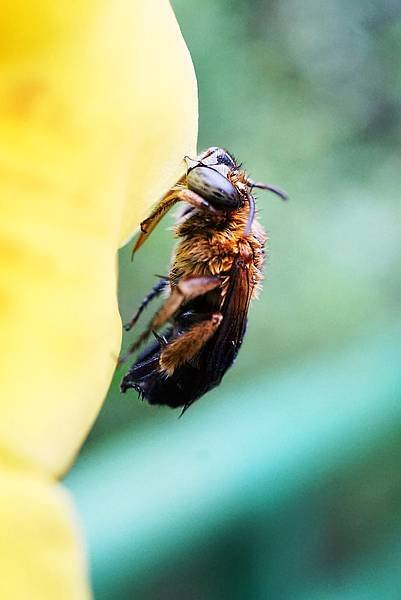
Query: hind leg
183,348
186,289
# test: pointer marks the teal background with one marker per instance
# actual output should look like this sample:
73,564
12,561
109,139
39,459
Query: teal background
285,482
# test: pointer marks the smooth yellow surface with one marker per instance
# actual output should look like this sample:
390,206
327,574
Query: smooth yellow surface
97,108
42,555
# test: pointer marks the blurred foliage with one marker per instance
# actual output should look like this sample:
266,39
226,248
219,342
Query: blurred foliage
308,96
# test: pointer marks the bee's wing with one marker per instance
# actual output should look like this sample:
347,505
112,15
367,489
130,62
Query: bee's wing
193,379
225,344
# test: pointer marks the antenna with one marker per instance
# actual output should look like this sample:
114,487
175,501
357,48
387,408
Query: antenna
267,186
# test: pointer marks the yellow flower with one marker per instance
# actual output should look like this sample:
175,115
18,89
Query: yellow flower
97,108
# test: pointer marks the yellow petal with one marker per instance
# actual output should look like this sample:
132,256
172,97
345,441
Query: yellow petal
39,551
96,113
97,108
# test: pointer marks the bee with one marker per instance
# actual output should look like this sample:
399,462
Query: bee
216,270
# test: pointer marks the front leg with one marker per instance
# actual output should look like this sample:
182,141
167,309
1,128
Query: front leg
176,195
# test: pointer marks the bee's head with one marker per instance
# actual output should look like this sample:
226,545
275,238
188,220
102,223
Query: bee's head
224,158
216,156
207,176
212,175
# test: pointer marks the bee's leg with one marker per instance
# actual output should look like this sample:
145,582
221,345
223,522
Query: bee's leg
186,289
154,292
186,346
148,225
176,195
195,200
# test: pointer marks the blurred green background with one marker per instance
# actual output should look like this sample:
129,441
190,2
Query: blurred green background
284,482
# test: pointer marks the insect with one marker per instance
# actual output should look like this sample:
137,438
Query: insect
215,272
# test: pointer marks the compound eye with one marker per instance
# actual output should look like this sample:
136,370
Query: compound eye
213,187
223,158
